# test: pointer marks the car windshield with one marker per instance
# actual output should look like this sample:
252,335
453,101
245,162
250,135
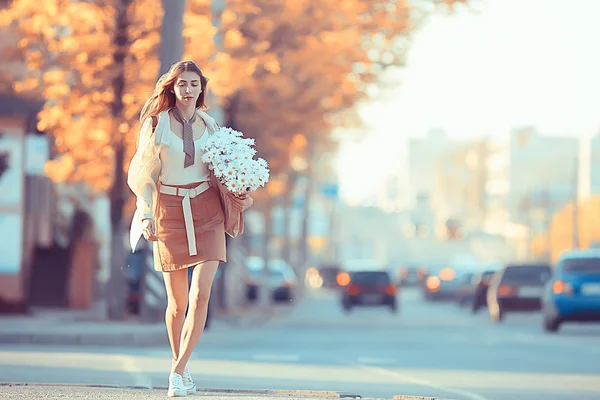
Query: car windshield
529,273
371,278
582,265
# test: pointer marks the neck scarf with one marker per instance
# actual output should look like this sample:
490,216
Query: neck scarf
188,137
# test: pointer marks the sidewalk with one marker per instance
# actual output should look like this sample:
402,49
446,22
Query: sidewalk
74,327
34,391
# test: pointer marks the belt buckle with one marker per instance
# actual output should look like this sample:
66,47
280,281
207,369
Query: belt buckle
192,192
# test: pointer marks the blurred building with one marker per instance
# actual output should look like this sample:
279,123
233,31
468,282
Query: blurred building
497,186
508,188
460,185
423,156
370,233
543,175
35,230
25,204
590,166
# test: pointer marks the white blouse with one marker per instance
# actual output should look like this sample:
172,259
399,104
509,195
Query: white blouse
172,157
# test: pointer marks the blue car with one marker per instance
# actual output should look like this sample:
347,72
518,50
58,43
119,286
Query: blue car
573,293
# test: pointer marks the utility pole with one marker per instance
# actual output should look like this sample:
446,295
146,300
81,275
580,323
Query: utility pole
548,214
575,239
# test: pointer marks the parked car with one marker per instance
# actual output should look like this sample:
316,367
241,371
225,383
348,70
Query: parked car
135,273
517,287
573,293
481,282
281,279
369,288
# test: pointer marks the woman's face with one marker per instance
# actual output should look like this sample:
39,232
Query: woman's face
187,88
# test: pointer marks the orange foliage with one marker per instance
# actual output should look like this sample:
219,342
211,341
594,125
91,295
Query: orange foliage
296,66
285,68
69,48
561,230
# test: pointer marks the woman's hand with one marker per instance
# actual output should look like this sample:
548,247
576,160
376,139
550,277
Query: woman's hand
149,230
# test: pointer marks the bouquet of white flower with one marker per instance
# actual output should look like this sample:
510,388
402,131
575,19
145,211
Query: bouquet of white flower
230,156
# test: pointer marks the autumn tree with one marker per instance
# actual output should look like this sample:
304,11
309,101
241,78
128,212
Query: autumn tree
297,68
284,68
94,62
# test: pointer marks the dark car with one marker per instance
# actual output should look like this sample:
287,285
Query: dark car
369,288
329,273
481,283
282,281
517,287
573,294
466,289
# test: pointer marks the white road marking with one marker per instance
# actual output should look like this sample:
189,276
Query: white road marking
276,357
130,366
375,360
423,382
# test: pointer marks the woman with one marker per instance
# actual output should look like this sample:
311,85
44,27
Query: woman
178,207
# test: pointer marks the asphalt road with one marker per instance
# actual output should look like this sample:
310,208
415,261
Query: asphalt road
425,350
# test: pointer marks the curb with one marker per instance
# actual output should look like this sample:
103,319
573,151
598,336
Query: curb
238,392
158,337
233,392
85,339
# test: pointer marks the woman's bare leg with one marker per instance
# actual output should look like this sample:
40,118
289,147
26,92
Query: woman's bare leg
176,283
202,279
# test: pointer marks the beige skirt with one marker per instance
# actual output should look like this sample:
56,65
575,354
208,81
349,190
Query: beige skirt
171,251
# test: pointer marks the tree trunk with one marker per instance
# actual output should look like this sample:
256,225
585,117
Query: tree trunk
171,38
117,290
304,243
288,207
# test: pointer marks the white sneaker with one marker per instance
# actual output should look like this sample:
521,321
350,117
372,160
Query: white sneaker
176,388
188,382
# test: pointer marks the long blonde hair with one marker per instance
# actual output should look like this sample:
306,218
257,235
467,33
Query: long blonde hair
162,98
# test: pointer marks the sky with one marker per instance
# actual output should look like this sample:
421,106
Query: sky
511,63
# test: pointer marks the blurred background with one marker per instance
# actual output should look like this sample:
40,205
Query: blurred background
414,133
436,141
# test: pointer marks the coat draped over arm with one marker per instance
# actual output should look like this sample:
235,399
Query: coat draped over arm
143,174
